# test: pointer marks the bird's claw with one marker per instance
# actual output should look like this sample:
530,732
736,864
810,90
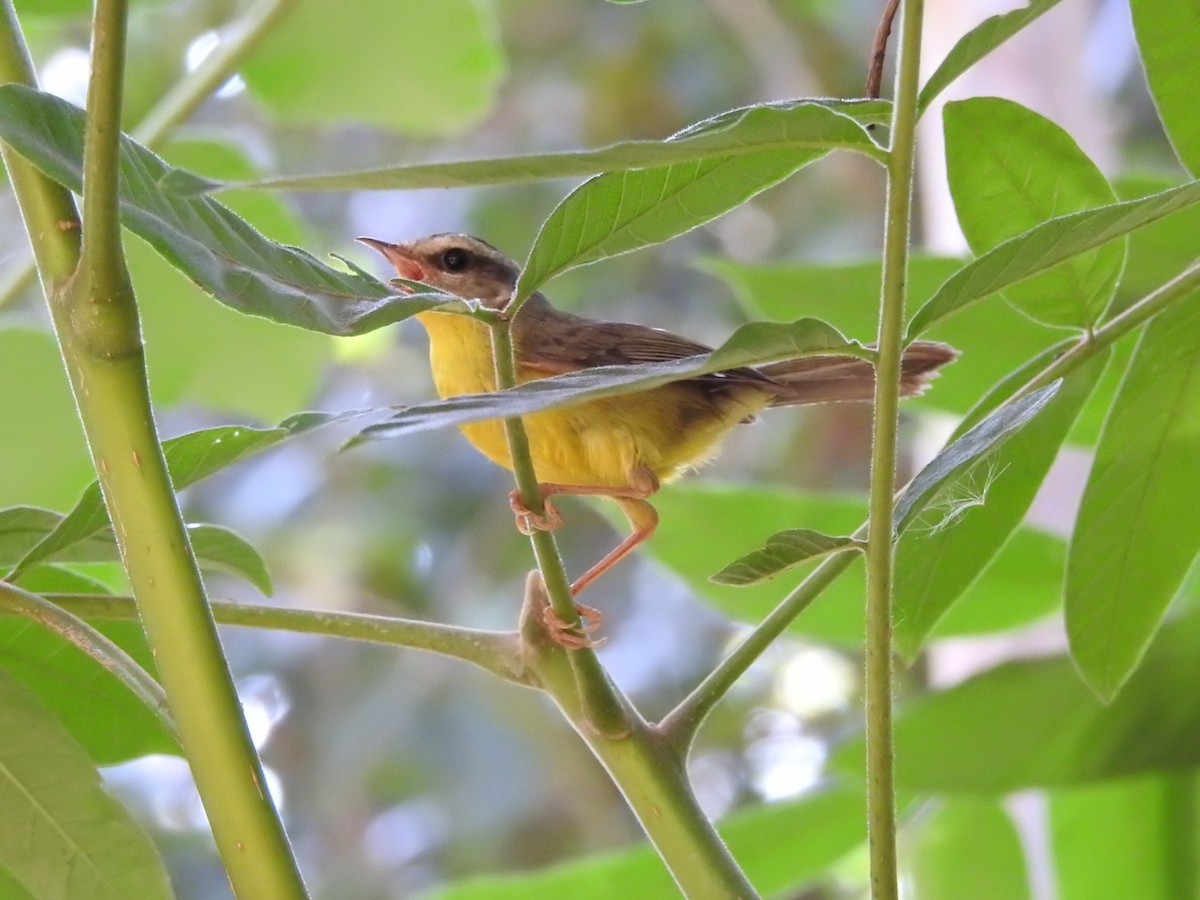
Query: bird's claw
574,637
528,521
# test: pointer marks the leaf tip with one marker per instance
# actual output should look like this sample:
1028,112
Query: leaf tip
187,184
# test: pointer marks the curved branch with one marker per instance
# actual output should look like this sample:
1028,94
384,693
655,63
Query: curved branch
497,652
96,645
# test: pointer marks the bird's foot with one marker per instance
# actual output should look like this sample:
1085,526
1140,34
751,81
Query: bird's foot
528,521
574,637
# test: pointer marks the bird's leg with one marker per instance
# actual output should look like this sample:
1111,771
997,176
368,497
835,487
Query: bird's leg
643,518
632,499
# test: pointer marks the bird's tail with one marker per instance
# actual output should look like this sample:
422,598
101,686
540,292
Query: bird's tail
828,379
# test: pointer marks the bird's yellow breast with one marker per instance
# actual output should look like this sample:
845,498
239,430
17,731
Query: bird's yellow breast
667,429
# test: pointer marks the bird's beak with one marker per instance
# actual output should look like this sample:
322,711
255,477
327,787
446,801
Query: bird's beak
399,255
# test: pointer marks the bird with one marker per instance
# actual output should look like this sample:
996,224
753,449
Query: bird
620,447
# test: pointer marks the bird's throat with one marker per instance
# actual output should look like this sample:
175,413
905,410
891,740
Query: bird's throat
460,354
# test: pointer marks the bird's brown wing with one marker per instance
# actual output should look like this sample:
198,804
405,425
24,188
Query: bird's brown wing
551,342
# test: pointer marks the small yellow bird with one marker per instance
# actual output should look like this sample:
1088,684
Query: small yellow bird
624,446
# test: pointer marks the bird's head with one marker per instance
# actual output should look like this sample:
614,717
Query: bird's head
455,264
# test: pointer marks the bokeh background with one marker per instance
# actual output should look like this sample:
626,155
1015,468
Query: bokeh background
399,772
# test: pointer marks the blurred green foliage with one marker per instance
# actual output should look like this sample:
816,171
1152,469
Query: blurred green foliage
399,772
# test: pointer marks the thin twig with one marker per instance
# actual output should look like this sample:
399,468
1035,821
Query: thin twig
1134,316
497,652
879,50
679,726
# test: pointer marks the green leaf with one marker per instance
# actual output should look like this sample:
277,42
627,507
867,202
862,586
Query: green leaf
1021,584
110,721
939,474
65,835
964,844
1043,247
30,10
11,889
1130,838
228,550
737,520
978,43
206,354
782,847
977,508
301,77
52,7
190,458
209,243
1138,530
1011,169
1166,35
1035,724
1008,386
198,454
621,212
846,293
22,527
1089,424
52,579
991,341
757,343
796,125
1158,250
784,550
753,343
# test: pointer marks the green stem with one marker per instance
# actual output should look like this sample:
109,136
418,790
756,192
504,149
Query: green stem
103,256
1134,316
646,768
649,772
881,791
497,652
682,722
47,208
654,783
599,695
550,563
100,648
95,320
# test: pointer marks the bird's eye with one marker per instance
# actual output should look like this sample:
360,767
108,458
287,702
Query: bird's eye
455,259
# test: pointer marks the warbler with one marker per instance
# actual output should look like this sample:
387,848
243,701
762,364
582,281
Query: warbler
622,447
